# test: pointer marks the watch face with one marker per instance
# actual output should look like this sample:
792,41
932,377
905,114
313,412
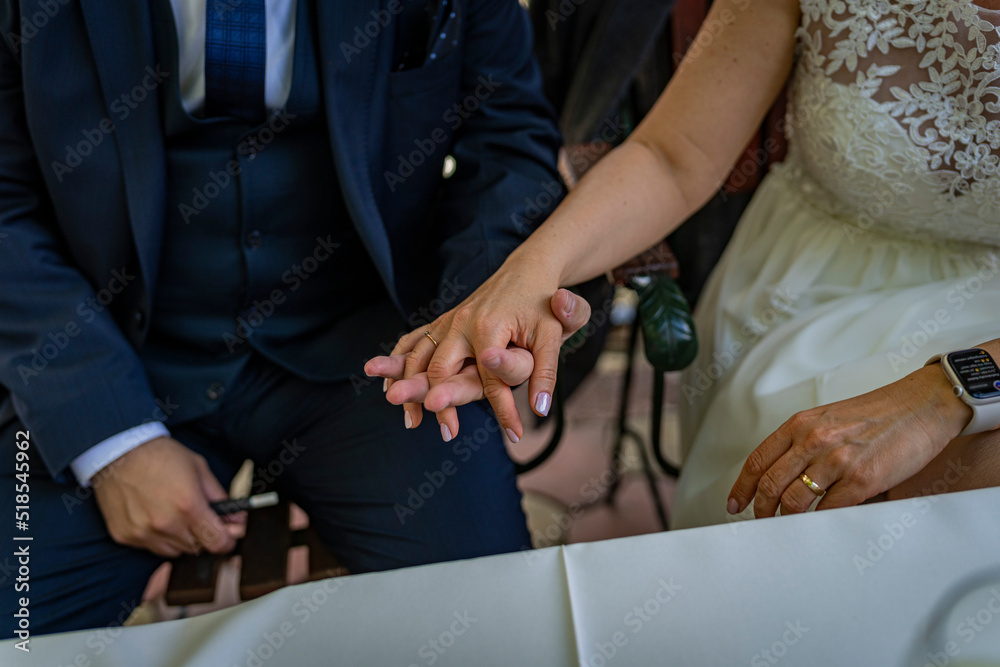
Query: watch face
978,373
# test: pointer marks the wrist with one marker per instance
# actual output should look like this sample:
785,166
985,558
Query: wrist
953,412
537,269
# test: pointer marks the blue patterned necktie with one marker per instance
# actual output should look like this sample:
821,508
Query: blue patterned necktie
235,54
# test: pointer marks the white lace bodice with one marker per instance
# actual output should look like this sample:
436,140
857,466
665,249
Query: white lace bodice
894,116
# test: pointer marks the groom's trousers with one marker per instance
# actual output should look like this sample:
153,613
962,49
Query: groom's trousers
380,496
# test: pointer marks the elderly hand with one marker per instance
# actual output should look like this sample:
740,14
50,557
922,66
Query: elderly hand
853,449
476,354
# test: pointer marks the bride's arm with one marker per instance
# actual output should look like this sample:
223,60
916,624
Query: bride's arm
670,166
682,151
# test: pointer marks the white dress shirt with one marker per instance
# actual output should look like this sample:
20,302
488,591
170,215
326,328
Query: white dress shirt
189,17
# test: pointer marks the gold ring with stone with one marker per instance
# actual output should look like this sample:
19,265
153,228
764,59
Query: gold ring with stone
428,334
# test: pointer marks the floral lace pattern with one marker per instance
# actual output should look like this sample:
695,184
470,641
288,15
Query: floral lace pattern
895,113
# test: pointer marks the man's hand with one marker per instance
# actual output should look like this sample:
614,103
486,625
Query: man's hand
157,497
486,329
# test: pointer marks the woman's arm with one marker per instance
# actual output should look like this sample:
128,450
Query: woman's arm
861,447
677,157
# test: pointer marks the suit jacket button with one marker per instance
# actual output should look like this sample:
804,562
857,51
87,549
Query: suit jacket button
139,318
215,391
254,239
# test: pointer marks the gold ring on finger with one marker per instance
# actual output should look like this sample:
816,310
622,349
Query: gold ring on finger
428,334
813,486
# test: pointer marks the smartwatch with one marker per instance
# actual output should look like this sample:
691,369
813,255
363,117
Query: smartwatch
975,379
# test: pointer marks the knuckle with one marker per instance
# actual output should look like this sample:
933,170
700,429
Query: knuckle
545,374
791,503
798,421
756,465
768,488
483,329
863,478
118,535
157,524
437,369
461,316
412,363
841,457
492,390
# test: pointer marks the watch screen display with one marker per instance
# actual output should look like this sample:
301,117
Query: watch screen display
978,373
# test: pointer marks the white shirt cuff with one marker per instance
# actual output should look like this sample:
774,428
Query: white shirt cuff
92,461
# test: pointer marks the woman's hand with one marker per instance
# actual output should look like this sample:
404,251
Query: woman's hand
853,449
512,366
518,307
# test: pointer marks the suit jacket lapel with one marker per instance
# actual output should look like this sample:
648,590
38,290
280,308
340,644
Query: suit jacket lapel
349,88
122,41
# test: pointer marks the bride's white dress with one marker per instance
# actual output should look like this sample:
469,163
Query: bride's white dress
874,246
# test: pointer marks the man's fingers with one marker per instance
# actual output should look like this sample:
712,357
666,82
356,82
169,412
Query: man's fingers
513,365
457,390
416,362
548,340
411,390
386,367
208,528
571,310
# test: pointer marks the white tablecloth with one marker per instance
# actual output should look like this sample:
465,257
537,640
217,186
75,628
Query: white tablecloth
845,587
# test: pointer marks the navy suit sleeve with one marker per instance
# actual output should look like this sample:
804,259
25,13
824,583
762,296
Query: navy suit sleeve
506,149
72,376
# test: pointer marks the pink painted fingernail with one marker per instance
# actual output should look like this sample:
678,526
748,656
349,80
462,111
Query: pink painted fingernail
733,507
513,436
408,419
542,403
445,433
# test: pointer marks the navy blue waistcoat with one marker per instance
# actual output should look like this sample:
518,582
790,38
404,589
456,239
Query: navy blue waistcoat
259,253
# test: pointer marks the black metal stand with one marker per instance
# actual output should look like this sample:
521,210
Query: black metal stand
623,432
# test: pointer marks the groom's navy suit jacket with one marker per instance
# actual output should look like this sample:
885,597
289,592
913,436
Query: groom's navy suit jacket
74,230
